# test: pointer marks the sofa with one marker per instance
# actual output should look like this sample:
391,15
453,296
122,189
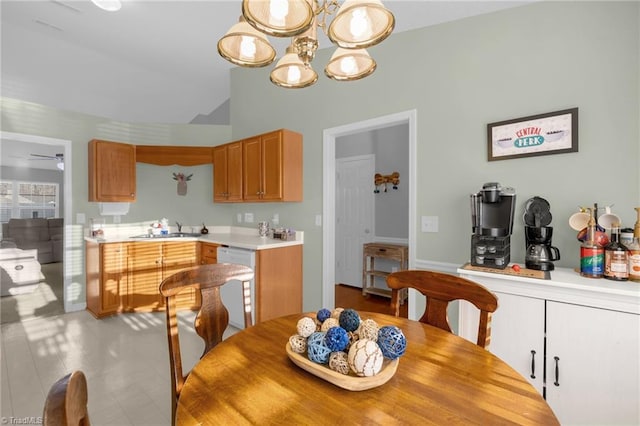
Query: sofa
43,235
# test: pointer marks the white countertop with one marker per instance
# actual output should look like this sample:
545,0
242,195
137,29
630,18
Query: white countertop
232,236
565,285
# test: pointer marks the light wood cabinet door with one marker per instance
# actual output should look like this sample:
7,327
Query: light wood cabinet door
145,275
278,282
252,165
227,172
208,253
106,276
112,171
114,276
272,167
177,256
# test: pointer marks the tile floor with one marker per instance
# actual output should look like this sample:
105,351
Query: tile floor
124,357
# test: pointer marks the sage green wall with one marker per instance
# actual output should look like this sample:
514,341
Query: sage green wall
157,196
459,76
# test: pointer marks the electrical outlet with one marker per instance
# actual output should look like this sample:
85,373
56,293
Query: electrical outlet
275,220
80,218
116,218
429,223
239,218
318,220
248,217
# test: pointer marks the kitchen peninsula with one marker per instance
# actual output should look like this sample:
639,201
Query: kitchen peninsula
123,273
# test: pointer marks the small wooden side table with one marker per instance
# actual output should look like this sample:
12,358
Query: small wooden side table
371,251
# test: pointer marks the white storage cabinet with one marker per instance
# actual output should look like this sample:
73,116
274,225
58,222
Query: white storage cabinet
575,339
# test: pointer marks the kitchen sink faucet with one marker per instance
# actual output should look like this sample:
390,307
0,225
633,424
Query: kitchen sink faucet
179,226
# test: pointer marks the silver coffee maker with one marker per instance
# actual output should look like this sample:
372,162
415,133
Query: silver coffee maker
492,213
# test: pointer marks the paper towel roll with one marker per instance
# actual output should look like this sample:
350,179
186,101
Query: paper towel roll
113,209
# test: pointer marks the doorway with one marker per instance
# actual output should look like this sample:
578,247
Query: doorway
64,147
330,137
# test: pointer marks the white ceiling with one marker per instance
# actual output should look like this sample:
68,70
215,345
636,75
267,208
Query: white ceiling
152,61
18,154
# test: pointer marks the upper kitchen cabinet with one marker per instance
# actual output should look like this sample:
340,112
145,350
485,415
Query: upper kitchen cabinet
272,167
112,171
227,173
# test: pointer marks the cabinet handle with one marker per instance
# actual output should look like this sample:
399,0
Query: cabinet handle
533,364
557,383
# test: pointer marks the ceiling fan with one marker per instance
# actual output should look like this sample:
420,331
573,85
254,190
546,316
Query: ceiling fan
58,157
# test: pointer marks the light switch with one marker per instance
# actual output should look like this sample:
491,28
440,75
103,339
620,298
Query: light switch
80,218
239,218
248,217
318,220
429,223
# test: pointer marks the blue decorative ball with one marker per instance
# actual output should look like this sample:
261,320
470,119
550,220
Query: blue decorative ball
317,350
392,341
323,314
336,339
349,320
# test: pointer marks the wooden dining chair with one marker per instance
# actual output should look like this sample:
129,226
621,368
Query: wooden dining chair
211,320
66,403
440,289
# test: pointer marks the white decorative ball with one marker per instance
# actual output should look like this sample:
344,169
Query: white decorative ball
328,323
368,330
365,358
306,326
298,343
336,313
338,362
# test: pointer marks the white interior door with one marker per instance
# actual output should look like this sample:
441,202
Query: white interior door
354,215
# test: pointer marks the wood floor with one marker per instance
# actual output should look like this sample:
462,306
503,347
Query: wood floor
351,297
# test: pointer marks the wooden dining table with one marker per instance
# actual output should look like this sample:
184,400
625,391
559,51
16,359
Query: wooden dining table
441,379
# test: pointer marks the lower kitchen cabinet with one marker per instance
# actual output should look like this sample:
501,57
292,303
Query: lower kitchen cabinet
579,346
106,268
278,282
208,253
124,277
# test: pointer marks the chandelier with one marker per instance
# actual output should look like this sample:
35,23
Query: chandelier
357,24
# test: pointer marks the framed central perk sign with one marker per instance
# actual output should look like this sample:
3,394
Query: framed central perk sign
543,134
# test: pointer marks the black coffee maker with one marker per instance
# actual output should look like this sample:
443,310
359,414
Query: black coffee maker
492,211
540,253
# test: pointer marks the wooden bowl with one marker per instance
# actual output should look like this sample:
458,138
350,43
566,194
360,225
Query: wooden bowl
345,381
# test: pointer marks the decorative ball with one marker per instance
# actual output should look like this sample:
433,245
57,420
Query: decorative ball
368,330
306,326
338,362
349,320
298,343
365,358
392,341
323,314
336,339
329,323
336,313
317,350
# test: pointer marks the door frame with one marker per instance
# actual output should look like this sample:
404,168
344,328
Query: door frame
67,207
329,137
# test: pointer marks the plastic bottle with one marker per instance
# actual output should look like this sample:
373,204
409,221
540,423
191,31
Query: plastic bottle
634,251
616,257
591,252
